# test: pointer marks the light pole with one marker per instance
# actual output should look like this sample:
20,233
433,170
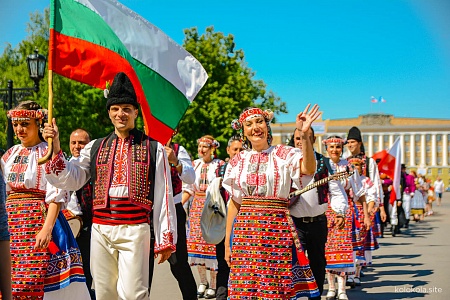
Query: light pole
36,69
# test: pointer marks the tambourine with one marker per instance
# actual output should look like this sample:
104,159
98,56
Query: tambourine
75,222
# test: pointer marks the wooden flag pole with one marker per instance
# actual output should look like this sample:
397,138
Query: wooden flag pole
47,156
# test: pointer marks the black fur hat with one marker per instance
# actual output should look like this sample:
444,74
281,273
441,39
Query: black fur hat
354,134
121,91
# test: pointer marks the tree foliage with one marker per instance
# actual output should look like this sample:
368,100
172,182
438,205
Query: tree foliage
230,88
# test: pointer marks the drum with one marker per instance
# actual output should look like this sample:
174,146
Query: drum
75,222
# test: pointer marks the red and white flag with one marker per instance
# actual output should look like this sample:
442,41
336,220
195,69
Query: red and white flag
373,99
390,165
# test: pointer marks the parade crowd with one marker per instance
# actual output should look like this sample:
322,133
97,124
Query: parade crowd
91,226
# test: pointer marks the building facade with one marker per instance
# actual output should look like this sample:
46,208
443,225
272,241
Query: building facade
424,142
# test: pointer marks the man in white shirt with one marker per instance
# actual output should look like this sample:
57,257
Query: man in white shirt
309,216
438,189
80,204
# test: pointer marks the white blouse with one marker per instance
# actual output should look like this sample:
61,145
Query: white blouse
21,172
264,174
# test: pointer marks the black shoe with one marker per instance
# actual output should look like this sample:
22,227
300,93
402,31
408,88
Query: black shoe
202,289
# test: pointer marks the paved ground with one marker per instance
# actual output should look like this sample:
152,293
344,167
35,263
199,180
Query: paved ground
411,265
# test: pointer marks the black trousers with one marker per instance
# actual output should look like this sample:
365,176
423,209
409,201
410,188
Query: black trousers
313,237
84,243
179,266
223,272
181,269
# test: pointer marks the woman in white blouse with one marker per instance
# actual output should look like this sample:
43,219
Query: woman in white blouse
261,243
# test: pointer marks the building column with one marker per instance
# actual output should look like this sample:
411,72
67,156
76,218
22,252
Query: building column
433,149
370,142
402,147
423,149
412,149
445,149
319,144
380,143
391,140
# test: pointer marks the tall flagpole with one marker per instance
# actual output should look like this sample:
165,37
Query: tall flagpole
51,61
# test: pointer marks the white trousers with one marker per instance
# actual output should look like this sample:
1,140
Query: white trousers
406,204
393,213
120,261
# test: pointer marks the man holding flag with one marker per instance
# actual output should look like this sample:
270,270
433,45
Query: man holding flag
124,168
390,164
94,41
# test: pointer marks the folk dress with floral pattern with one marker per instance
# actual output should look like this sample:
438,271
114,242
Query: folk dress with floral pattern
266,261
200,252
57,269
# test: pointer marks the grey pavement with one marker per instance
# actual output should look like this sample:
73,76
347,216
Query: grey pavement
411,265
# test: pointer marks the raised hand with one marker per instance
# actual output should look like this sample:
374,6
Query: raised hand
306,118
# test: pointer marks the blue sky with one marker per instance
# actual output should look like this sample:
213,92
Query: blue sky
334,53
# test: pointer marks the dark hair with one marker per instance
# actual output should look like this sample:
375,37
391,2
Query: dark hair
234,138
246,144
292,142
28,105
32,105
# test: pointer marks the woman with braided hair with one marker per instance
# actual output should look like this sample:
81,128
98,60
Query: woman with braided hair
261,243
44,255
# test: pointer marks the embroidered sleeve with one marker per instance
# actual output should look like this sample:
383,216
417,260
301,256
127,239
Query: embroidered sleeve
55,165
164,215
167,242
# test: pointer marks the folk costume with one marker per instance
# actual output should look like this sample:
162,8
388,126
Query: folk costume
267,259
131,188
340,248
201,253
309,216
57,270
367,235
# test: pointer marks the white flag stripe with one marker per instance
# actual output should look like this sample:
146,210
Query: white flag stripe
152,47
396,151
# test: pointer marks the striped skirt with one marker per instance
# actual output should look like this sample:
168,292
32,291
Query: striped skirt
35,271
267,261
339,247
200,253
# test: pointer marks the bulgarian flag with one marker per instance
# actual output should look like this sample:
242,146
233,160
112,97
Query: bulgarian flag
92,40
390,165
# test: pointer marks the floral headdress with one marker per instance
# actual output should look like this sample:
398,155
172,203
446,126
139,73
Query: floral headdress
356,159
249,114
334,140
26,115
208,142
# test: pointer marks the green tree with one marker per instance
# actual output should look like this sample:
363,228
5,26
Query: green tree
230,88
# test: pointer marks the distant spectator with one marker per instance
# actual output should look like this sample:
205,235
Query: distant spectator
438,189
